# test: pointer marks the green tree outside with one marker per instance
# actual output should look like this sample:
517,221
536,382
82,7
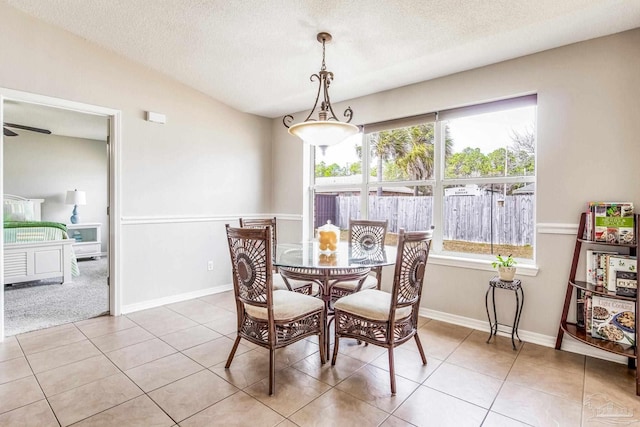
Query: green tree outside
408,154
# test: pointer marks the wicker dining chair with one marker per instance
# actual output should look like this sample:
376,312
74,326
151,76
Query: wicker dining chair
266,317
366,239
388,319
279,282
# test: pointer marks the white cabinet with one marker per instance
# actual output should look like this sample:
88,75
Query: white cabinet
88,240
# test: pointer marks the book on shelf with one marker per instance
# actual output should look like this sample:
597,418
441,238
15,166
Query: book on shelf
596,264
627,283
583,310
580,308
588,305
616,263
610,222
613,319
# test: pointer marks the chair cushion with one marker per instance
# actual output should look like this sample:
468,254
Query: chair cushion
286,305
370,304
370,282
279,284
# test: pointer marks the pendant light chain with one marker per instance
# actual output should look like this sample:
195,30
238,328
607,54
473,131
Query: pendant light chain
324,67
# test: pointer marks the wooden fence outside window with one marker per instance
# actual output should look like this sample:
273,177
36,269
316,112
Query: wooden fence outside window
482,219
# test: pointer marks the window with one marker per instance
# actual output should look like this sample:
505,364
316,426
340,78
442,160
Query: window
469,172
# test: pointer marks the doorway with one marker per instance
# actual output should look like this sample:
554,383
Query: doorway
78,154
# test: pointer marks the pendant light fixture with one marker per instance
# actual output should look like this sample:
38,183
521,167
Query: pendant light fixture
327,129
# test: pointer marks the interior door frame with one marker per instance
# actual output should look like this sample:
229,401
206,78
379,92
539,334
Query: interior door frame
114,182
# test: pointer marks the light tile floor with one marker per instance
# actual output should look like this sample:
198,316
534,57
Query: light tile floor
165,367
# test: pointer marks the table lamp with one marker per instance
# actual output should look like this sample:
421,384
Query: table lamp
75,198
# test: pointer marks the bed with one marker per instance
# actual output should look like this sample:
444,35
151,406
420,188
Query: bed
35,250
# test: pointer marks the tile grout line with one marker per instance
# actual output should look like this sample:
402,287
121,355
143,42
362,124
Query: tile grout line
504,381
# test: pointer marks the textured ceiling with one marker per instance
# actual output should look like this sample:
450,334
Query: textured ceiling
257,56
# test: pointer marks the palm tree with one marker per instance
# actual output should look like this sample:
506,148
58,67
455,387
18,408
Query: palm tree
418,161
412,149
388,145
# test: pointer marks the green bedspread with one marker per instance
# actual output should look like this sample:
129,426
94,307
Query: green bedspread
21,224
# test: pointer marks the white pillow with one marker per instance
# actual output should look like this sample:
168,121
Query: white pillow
19,210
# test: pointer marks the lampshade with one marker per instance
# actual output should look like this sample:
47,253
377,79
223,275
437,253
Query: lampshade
323,133
75,197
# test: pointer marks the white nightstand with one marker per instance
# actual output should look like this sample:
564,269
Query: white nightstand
88,239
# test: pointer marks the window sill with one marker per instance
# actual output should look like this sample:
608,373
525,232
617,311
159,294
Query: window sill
478,264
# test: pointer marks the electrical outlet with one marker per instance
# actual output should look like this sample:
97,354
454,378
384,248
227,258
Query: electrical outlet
210,266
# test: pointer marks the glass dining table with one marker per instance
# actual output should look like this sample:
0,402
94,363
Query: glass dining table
306,262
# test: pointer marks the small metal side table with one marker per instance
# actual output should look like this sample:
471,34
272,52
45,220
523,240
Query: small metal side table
516,287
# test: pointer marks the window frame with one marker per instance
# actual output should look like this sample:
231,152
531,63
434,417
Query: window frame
438,181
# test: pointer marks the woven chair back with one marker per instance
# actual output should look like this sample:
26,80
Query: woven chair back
367,233
251,264
261,223
413,252
366,238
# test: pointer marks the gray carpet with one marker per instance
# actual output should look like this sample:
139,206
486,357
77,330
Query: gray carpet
41,304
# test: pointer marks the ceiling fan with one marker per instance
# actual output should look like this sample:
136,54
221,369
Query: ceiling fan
9,132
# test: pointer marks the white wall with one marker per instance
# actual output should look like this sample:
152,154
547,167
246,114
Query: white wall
588,149
46,166
181,181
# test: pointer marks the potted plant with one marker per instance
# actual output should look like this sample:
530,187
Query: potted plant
506,267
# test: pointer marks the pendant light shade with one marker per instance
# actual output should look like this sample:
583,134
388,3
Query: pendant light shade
323,133
327,129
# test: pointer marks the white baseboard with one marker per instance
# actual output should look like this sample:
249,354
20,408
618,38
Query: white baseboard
568,343
131,308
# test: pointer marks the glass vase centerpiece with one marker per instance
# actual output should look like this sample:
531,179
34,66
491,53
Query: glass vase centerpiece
328,238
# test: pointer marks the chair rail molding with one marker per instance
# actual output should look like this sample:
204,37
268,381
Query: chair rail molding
168,219
556,228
